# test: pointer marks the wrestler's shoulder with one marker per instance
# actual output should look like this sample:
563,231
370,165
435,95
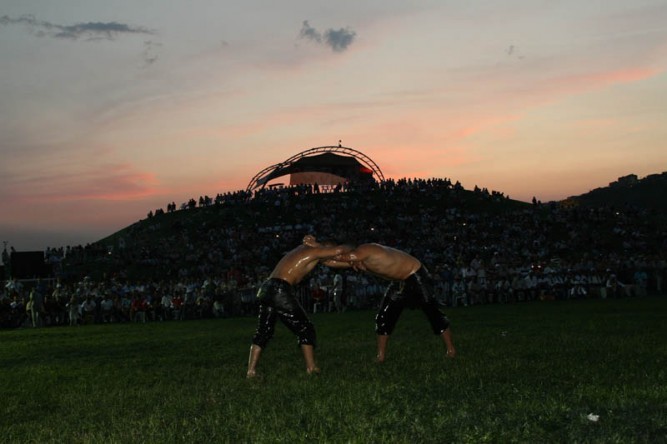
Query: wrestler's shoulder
371,246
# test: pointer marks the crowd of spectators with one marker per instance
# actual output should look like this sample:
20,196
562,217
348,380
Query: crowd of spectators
206,260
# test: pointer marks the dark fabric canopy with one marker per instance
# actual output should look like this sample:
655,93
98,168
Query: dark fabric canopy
343,166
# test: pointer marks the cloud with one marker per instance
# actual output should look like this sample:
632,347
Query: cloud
310,33
579,83
89,31
110,182
338,40
150,52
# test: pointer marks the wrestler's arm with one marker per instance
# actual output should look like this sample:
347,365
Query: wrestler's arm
353,259
359,254
330,253
359,266
333,263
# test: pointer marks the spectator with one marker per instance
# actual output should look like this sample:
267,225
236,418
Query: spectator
73,311
88,310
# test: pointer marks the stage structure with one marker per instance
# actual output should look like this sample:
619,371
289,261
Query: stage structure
326,166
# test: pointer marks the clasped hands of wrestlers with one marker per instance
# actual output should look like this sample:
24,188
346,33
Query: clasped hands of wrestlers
311,241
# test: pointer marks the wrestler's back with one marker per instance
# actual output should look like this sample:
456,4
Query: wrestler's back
387,262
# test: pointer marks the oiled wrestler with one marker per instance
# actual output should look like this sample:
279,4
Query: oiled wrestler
277,301
410,287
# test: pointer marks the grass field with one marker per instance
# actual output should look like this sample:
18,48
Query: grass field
529,373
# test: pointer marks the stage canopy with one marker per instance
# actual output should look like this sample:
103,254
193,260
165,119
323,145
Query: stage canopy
331,165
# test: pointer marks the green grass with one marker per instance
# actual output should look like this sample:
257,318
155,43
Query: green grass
525,373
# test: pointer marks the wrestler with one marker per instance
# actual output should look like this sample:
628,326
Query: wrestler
410,287
277,300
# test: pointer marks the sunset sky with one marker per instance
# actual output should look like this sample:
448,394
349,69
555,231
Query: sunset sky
110,109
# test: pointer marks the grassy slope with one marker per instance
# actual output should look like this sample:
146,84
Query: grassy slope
525,373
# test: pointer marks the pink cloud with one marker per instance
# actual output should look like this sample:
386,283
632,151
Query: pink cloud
588,81
112,183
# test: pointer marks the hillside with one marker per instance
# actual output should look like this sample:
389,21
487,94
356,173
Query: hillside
232,234
444,224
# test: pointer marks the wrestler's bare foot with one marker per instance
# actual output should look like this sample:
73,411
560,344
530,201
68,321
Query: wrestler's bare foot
251,374
379,359
313,371
449,344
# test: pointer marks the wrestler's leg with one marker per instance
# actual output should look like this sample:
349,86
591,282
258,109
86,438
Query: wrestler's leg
382,341
449,344
266,322
309,358
253,359
386,319
296,320
440,325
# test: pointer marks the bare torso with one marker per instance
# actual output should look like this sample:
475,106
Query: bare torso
380,260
